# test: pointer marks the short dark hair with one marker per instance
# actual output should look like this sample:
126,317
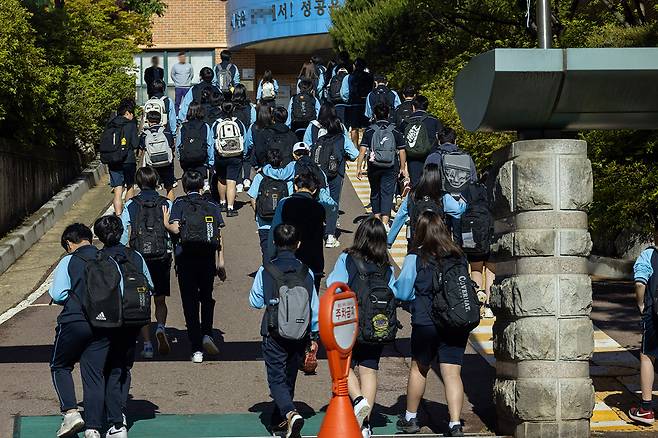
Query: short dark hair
380,77
305,85
196,111
155,58
421,102
225,55
274,158
109,229
158,86
153,117
381,111
182,53
317,59
280,114
192,181
308,181
147,178
228,108
206,74
409,91
447,135
126,105
75,233
286,237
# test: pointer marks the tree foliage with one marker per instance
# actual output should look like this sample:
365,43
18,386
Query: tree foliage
67,67
427,42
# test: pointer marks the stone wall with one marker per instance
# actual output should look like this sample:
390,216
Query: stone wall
543,336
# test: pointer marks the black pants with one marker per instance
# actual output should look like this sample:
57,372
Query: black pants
382,189
196,278
282,360
120,361
264,236
415,168
78,342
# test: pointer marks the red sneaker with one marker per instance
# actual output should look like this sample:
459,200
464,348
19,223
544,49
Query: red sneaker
642,416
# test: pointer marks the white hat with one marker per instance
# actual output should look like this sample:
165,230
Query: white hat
300,146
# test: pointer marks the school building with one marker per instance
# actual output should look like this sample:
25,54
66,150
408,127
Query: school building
262,34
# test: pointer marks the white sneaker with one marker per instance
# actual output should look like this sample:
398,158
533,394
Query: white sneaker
247,184
91,433
239,188
366,432
209,345
332,242
72,423
163,342
206,186
122,432
488,313
361,411
197,357
295,424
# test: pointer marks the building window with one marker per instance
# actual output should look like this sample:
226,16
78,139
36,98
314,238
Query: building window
198,59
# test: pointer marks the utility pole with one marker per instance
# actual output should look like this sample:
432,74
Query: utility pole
544,28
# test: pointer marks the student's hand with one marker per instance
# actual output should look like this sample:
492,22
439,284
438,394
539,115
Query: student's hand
221,271
360,174
641,308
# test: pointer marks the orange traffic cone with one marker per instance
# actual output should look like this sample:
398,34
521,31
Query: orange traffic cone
338,328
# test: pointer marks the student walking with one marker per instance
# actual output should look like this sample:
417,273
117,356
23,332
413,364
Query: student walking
646,284
200,93
152,74
302,109
143,228
386,158
421,132
199,256
182,74
121,356
195,144
255,136
268,89
279,136
406,107
117,149
284,281
338,92
227,75
76,340
157,142
381,94
310,73
330,152
321,71
360,83
160,102
228,133
245,112
307,215
434,252
366,268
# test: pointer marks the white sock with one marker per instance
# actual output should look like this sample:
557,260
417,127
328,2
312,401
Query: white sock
409,415
454,423
230,207
222,202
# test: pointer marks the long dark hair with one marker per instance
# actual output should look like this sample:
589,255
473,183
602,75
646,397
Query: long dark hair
432,239
263,116
329,120
267,77
240,95
429,184
370,242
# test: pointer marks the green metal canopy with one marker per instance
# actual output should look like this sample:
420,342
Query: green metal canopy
559,89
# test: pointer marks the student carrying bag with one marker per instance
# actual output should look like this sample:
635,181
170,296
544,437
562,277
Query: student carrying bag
229,141
148,234
136,305
383,148
158,151
101,300
289,312
270,192
326,156
455,305
198,227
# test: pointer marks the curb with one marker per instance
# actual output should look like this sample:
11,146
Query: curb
17,242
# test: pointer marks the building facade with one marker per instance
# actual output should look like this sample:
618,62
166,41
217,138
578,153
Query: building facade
262,34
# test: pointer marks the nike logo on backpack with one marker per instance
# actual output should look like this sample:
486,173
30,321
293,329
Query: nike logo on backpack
383,140
101,317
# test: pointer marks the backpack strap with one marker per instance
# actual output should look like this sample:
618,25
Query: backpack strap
302,272
274,271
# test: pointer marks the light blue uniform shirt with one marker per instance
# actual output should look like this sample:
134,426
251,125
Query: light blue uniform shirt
642,268
210,140
257,301
308,134
450,205
341,274
404,285
396,103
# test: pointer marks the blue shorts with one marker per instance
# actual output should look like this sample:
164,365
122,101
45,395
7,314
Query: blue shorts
649,336
427,342
228,168
367,355
122,175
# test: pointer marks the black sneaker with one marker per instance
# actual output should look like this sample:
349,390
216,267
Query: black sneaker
232,213
410,426
223,208
456,430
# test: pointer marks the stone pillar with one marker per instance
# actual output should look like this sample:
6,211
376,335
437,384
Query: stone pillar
543,336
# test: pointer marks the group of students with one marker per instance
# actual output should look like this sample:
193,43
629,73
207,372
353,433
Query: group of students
294,171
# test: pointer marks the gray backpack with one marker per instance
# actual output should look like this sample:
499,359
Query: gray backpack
289,312
456,171
158,151
382,146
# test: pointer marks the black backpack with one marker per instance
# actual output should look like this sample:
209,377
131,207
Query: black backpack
136,307
306,165
360,86
270,192
198,91
378,321
281,141
243,114
113,146
335,84
199,227
303,107
651,295
326,155
148,234
403,112
194,144
382,94
477,221
416,207
455,305
101,301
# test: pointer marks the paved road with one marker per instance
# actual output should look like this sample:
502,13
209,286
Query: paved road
234,382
